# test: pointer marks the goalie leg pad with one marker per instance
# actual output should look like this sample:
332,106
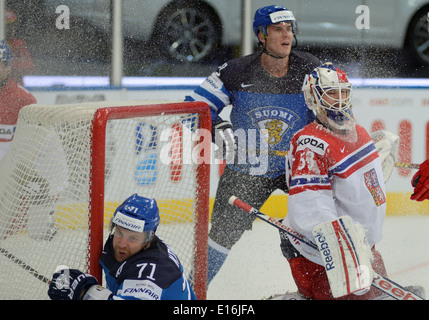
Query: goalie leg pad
346,256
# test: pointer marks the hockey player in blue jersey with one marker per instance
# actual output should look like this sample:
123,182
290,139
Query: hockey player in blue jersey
137,264
265,91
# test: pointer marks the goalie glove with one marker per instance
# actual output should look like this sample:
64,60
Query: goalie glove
223,138
387,144
420,182
346,256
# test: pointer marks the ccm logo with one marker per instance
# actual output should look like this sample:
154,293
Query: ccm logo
397,292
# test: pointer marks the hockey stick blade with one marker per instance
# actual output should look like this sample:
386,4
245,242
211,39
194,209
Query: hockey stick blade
380,282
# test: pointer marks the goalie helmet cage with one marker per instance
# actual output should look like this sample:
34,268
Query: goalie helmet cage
70,166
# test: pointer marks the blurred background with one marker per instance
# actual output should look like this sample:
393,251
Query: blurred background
190,38
67,51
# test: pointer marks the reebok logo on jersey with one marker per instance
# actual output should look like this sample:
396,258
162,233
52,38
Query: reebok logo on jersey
316,145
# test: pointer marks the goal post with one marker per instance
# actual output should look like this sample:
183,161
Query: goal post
71,165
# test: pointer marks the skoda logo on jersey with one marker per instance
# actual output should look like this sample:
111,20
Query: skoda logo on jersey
275,120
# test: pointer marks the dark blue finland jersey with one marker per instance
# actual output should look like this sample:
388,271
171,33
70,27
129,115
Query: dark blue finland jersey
152,274
260,103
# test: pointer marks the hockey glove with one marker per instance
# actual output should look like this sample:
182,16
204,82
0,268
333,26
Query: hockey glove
420,182
386,144
70,284
223,138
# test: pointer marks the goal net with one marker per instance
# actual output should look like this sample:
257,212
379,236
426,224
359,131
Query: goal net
71,165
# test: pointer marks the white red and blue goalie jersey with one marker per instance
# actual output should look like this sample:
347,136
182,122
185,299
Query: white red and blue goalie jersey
328,178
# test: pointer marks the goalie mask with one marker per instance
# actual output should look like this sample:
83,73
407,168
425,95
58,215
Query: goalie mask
328,92
138,214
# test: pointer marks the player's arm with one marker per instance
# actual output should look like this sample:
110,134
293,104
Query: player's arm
213,92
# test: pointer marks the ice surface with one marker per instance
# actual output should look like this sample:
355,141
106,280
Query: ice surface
255,268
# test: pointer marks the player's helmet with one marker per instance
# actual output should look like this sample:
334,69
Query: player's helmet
328,92
5,53
138,214
266,16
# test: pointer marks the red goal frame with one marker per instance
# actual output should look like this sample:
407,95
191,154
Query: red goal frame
97,171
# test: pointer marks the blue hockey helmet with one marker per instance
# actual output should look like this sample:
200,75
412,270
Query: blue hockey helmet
138,214
268,15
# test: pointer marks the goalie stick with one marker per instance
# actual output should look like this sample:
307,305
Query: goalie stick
406,165
380,282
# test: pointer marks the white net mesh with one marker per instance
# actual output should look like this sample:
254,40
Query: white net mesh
45,183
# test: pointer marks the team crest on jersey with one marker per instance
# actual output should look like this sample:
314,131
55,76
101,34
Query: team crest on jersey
275,120
373,185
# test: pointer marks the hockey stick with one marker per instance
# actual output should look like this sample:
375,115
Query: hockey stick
380,282
270,152
406,165
25,266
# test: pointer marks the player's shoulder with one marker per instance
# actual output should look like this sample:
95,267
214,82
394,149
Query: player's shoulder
305,58
312,129
362,131
160,254
241,63
166,267
14,92
12,85
313,136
